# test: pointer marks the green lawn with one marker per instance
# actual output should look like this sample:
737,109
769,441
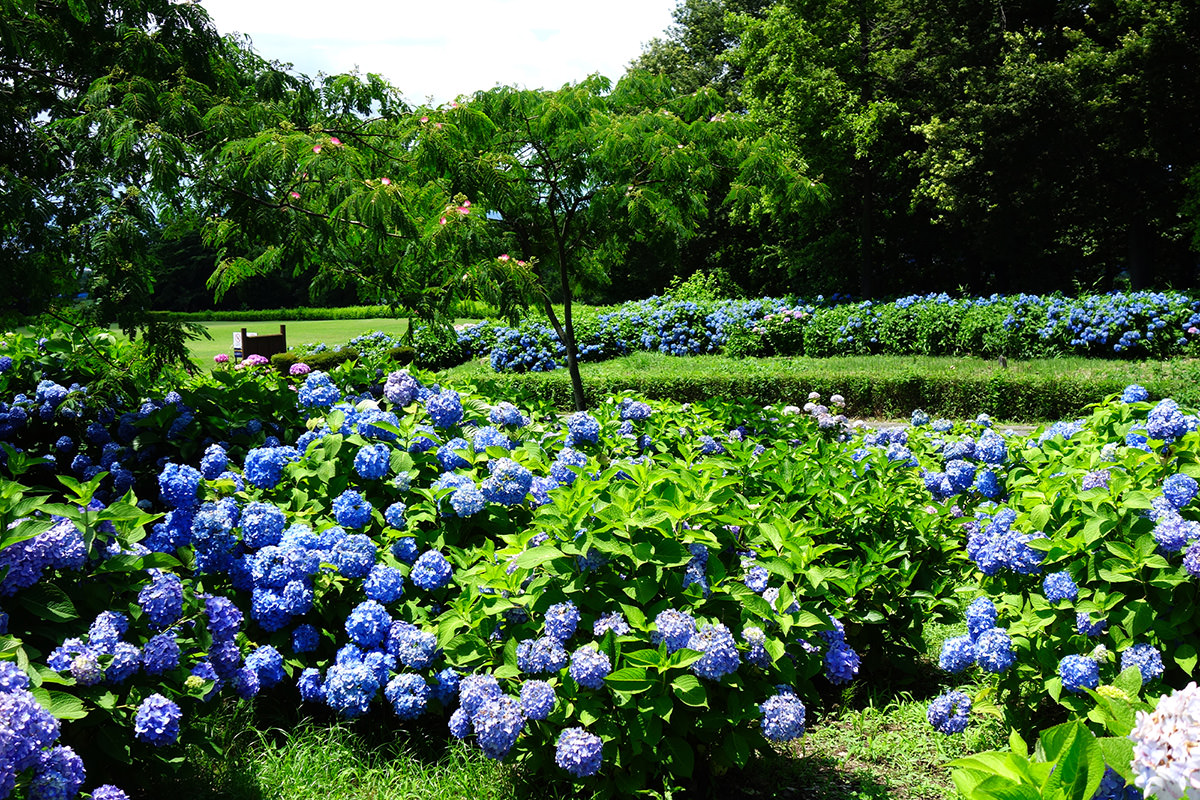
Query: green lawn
331,331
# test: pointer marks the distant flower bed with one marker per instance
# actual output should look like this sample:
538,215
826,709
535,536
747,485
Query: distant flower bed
1116,325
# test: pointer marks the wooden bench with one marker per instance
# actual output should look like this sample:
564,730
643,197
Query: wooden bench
266,345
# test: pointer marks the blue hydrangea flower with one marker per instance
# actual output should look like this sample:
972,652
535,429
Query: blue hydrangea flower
613,621
579,752
506,413
318,391
981,615
162,600
490,437
1059,586
368,624
58,776
720,652
448,454
445,408
385,584
262,524
563,468
12,677
353,555
214,462
1191,560
351,509
310,685
460,724
1173,532
305,638
373,461
412,646
537,699
1146,658
757,640
1097,479
179,485
267,664
508,482
1078,673
1134,393
757,578
405,549
108,792
394,515
1166,422
446,688
1180,489
582,427
675,628
157,721
1084,624
950,713
589,666
349,687
126,660
782,716
32,729
263,467
841,663
467,501
993,650
497,723
224,618
958,653
561,620
545,654
408,694
431,571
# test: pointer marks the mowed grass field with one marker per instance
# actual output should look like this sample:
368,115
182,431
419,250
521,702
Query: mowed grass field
330,331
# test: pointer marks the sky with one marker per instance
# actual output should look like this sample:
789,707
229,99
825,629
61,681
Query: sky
438,50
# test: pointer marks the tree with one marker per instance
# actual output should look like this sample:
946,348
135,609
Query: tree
110,103
1011,147
581,172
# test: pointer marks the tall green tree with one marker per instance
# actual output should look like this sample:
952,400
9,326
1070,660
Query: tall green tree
582,172
1012,147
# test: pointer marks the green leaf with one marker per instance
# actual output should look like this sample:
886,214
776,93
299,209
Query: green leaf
1118,754
1185,656
536,556
49,602
689,690
60,704
630,680
683,761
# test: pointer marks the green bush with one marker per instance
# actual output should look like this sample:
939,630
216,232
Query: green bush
322,361
438,347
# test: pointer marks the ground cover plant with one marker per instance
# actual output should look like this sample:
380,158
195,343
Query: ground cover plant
638,597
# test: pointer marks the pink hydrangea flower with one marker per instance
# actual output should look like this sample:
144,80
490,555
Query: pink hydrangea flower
299,368
255,360
221,358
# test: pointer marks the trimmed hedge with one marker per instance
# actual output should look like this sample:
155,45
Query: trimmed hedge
324,361
466,309
1005,394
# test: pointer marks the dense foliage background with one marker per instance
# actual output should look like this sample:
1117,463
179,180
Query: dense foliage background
872,148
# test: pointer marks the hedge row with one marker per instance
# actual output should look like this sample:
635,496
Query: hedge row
467,309
1004,395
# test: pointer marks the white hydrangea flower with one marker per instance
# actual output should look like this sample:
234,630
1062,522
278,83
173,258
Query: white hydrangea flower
1166,747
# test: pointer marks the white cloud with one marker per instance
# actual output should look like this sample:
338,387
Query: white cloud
445,49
